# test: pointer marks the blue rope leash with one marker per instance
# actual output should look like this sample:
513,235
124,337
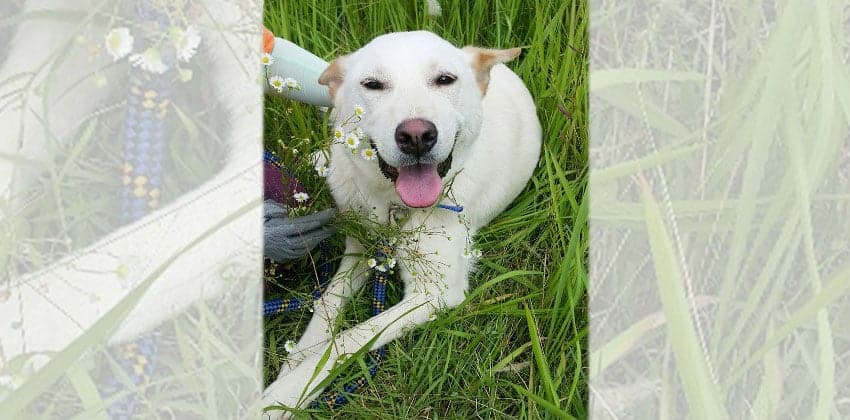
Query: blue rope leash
144,145
380,279
333,399
291,304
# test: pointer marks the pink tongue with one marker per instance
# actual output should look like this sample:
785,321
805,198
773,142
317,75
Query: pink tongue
418,185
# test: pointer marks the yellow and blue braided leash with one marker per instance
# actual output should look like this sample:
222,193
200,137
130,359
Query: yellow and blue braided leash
380,279
144,146
272,307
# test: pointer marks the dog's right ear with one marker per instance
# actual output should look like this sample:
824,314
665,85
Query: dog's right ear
484,59
332,76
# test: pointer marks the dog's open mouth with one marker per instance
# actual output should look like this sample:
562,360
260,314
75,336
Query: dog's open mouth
417,185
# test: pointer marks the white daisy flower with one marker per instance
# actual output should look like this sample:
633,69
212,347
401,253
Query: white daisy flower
267,59
466,254
323,171
119,43
434,8
186,42
149,61
291,84
390,262
476,253
301,197
289,346
352,141
277,83
358,110
338,133
371,262
382,268
369,154
358,132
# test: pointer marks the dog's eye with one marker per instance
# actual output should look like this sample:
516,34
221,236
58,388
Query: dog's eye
372,84
445,79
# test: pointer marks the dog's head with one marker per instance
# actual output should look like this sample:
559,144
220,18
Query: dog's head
421,100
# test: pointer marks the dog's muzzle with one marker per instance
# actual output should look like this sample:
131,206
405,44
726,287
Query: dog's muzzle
391,172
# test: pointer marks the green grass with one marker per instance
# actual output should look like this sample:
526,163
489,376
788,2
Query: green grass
720,169
517,347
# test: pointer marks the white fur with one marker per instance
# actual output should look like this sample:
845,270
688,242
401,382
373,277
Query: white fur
497,148
64,300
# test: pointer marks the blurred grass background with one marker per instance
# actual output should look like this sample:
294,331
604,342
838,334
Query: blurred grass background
517,348
721,166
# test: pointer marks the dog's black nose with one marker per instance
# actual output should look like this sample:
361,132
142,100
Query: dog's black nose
416,136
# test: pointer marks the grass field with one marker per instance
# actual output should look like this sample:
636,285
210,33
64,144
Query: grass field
517,348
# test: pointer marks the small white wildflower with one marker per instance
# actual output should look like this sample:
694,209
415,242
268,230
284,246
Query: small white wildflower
352,141
359,133
291,84
466,254
434,8
390,262
277,83
476,253
382,268
369,154
267,59
149,61
371,262
301,197
323,171
338,134
358,110
289,346
186,42
119,43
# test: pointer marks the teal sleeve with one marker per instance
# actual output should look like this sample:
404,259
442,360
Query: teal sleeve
290,60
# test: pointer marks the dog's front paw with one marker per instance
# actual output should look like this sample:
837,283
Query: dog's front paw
291,390
277,399
276,415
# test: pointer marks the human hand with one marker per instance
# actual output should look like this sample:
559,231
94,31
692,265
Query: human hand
292,238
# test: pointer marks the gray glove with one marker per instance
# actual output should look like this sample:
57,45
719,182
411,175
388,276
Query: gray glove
292,238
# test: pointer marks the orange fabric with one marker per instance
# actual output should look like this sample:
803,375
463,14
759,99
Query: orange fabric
268,40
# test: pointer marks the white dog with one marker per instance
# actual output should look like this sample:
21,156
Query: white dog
438,116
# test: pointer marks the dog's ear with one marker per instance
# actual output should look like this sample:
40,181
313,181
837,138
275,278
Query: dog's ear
332,76
484,59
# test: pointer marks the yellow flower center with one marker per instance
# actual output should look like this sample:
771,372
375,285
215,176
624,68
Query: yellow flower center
114,41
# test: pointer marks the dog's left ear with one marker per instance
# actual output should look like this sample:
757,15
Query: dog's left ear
484,59
332,76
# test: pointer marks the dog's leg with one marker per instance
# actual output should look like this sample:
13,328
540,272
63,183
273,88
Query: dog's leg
345,283
293,389
439,285
28,132
66,298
